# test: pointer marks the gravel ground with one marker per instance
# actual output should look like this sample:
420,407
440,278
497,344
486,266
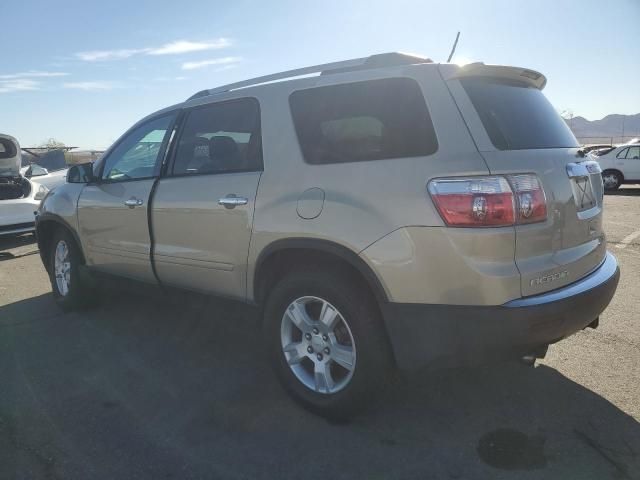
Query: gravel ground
160,387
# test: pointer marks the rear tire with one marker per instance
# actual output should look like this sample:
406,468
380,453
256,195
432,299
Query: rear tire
612,179
70,291
332,367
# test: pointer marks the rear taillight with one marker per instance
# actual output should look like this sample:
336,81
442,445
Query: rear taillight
532,204
494,201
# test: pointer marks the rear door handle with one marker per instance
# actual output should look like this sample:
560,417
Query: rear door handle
133,202
231,201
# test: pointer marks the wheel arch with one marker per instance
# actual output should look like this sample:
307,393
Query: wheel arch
46,226
272,262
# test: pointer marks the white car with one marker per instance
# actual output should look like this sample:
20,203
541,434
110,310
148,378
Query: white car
19,196
620,165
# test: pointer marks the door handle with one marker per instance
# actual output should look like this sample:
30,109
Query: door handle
231,201
133,202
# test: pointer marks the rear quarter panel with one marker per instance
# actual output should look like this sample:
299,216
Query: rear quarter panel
363,201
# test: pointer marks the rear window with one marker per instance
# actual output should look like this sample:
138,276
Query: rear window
516,116
7,148
361,121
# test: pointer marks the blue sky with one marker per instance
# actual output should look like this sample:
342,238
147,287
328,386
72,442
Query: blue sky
83,72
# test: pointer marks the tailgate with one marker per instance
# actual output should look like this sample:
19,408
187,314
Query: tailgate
518,131
570,243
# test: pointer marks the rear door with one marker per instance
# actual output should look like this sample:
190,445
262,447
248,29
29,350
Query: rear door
203,207
113,212
518,131
629,161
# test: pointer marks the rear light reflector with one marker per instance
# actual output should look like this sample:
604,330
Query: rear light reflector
492,201
532,204
474,201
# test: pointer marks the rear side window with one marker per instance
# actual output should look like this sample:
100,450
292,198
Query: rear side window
355,122
516,116
220,138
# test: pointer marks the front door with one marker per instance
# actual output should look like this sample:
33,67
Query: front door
113,212
202,212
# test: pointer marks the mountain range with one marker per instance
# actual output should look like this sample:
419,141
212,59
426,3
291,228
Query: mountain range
610,126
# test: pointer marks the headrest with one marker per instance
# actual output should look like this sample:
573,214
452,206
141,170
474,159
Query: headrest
222,146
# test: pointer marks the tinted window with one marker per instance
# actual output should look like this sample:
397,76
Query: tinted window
363,121
220,138
516,116
7,149
136,155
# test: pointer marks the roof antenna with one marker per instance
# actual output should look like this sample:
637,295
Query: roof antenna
453,50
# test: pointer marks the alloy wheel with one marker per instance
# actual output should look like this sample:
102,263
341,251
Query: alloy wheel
318,345
62,268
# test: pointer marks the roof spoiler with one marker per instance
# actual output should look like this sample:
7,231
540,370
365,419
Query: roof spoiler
479,69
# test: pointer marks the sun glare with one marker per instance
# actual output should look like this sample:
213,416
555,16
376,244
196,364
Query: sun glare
461,61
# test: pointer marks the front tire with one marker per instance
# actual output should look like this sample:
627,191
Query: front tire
611,180
69,291
326,341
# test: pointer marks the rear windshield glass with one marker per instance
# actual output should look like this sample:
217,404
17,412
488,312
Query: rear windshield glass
7,149
516,116
361,121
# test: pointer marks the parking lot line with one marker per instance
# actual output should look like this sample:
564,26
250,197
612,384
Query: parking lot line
628,239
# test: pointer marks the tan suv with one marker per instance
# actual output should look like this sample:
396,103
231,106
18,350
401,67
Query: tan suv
389,212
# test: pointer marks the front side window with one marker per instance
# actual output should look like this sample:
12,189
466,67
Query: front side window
137,155
622,153
220,138
633,153
361,121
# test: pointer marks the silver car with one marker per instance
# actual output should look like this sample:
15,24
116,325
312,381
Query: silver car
390,212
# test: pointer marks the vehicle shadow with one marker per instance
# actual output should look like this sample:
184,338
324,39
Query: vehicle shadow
176,386
626,190
15,241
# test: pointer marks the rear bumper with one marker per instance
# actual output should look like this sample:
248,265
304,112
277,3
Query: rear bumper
17,216
439,335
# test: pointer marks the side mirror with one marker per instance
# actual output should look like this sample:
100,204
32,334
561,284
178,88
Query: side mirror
36,171
81,173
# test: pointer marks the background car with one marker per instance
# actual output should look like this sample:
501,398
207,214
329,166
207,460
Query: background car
19,196
620,165
50,169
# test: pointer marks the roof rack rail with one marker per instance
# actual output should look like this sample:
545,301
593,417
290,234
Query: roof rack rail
380,60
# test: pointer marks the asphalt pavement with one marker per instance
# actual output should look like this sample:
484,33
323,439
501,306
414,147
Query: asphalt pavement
155,386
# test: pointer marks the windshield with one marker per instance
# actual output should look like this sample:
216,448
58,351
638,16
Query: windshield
516,116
